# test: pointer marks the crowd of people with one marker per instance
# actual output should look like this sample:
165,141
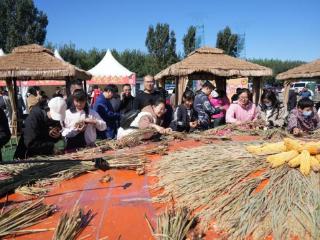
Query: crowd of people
80,119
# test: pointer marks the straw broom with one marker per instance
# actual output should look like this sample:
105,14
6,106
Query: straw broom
72,224
25,215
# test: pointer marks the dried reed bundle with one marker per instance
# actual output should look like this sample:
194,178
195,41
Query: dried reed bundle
23,216
218,180
32,190
72,224
40,174
174,224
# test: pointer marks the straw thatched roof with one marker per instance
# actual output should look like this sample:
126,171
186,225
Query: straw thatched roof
36,62
212,60
309,70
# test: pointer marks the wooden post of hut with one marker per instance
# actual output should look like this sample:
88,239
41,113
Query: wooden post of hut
176,101
85,86
257,89
13,100
221,83
287,84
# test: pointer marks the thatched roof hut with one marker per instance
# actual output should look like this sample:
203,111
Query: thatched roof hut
212,60
309,70
36,62
212,64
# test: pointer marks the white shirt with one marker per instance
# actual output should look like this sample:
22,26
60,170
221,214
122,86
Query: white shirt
90,134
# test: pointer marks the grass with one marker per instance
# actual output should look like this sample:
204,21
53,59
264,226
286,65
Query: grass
9,149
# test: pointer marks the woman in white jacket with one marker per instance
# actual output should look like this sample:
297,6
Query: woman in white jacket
81,123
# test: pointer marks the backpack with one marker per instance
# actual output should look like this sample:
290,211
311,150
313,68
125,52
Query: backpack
128,118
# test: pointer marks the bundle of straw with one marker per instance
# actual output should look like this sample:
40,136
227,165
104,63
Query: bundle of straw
174,224
25,215
220,181
42,174
71,225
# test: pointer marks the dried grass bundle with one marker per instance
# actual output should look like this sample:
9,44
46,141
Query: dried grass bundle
219,181
22,216
32,190
39,174
174,224
72,224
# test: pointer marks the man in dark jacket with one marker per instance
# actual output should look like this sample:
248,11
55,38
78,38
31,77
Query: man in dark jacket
127,99
5,134
148,96
203,106
104,108
42,129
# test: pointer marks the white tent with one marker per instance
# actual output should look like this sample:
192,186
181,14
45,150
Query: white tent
57,55
2,53
110,71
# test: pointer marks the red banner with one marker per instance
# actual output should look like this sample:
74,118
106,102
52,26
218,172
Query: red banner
32,83
113,80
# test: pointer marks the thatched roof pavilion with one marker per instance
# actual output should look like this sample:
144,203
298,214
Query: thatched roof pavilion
212,64
34,62
309,70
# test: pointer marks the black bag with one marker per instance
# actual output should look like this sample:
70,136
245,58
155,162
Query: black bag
128,118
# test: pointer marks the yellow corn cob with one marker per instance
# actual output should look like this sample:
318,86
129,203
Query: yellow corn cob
295,162
312,147
305,163
292,144
280,158
315,165
318,157
253,149
268,148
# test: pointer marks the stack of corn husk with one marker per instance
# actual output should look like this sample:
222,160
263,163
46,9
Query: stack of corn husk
295,153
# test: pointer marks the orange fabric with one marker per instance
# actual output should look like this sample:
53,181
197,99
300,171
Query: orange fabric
120,206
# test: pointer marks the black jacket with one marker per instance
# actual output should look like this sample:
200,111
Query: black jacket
181,119
144,99
35,139
5,133
126,104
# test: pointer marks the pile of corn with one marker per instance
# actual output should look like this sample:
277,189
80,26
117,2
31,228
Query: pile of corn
295,153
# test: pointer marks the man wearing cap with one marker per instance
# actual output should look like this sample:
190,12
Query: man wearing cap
104,108
42,129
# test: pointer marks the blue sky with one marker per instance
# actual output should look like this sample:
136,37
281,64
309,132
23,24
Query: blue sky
283,29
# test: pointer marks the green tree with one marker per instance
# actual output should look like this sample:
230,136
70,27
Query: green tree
229,42
277,66
21,23
189,40
172,56
161,44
